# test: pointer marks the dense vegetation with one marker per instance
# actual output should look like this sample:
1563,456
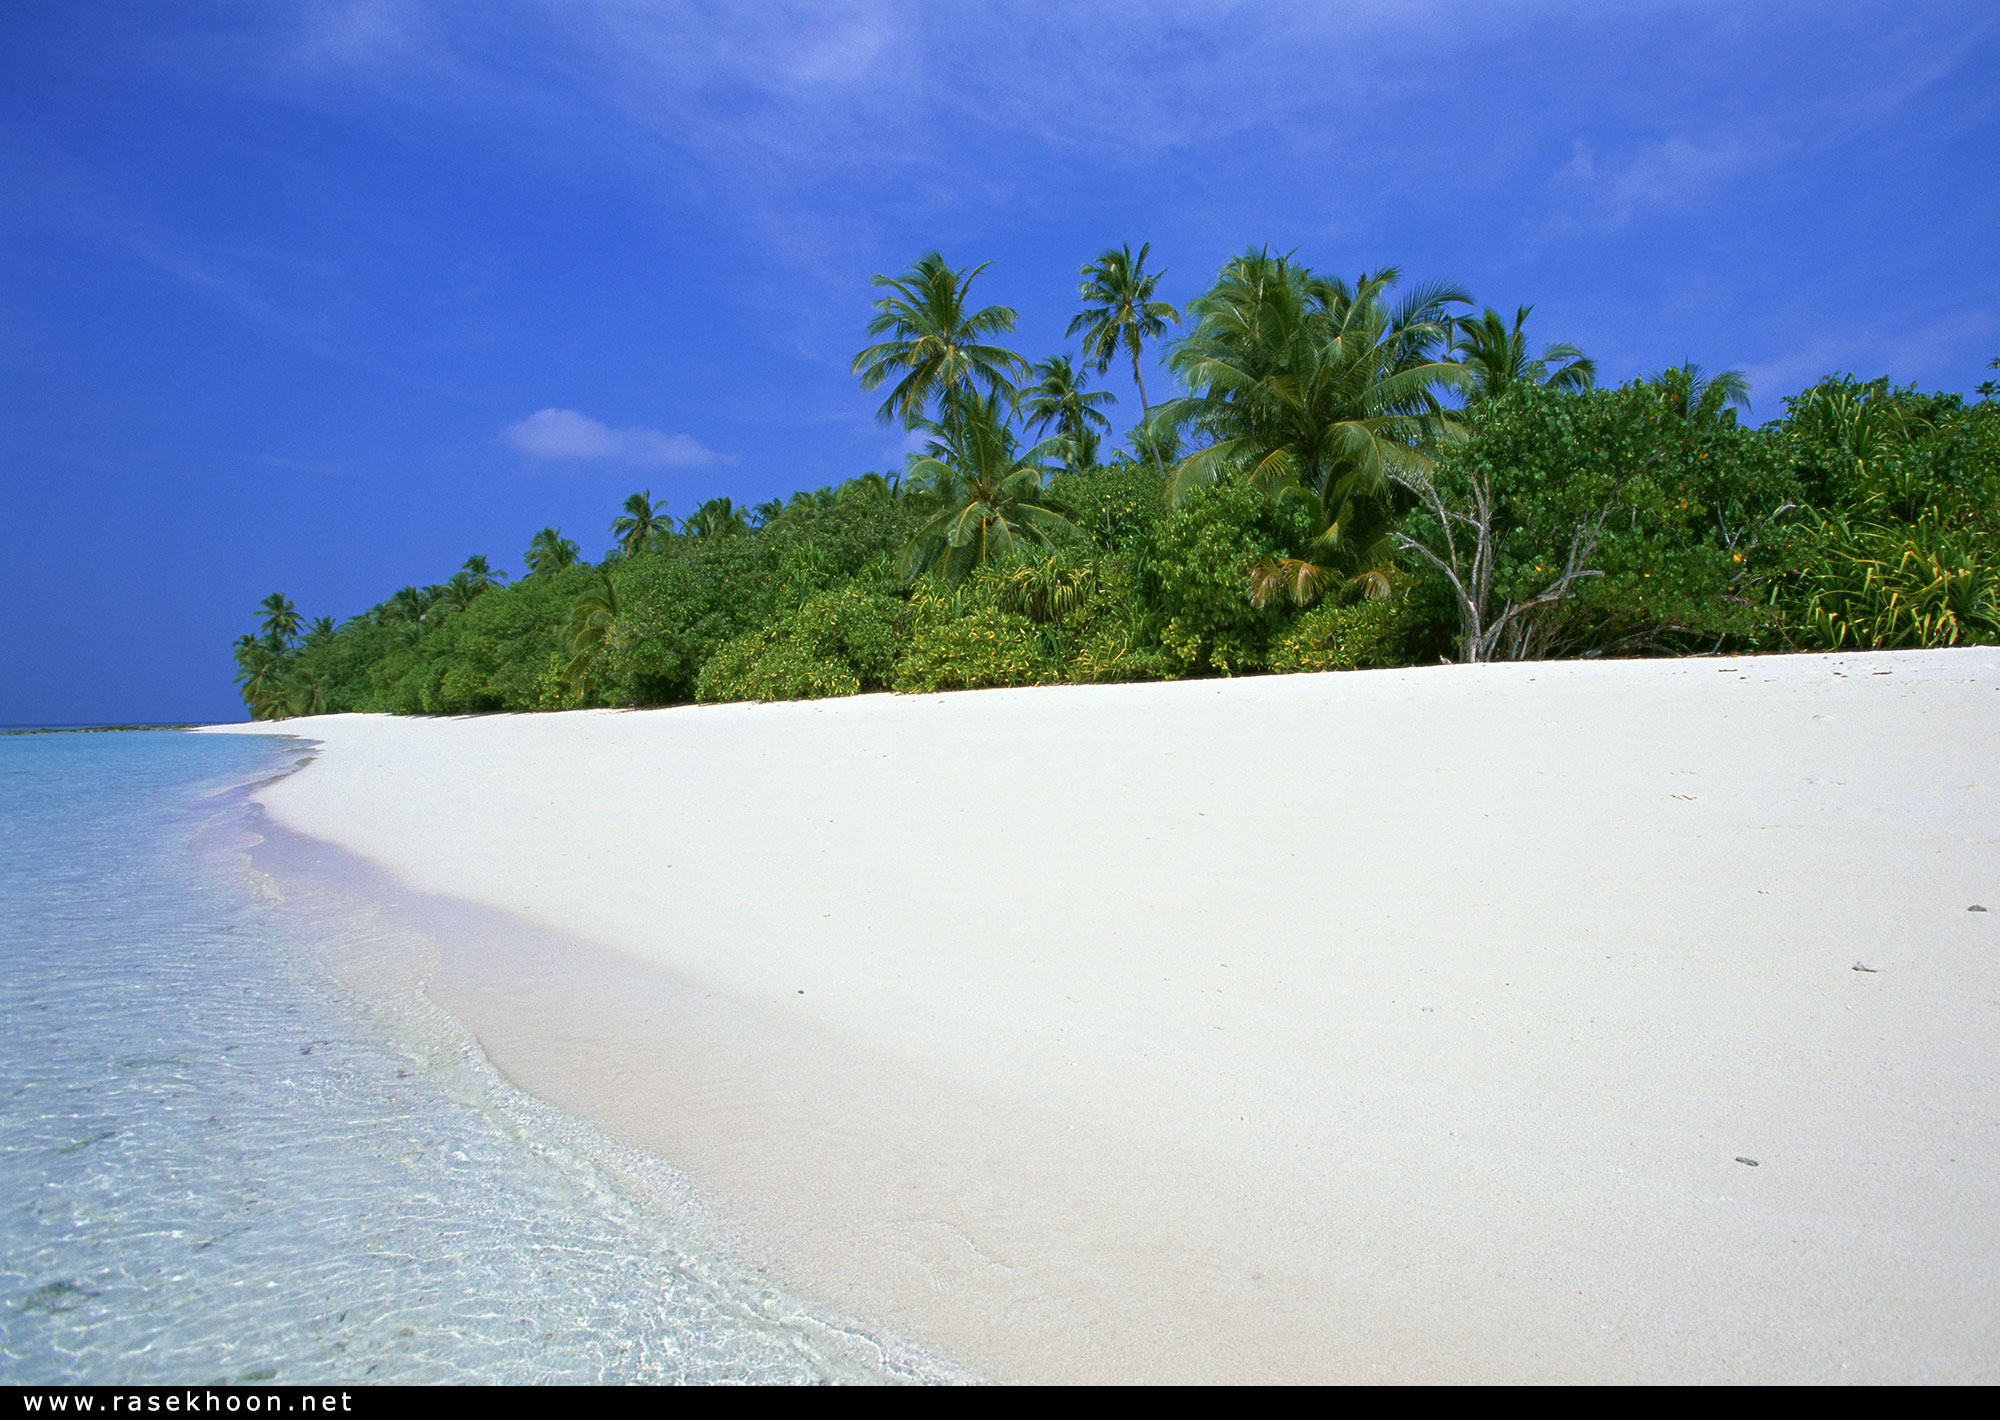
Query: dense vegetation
1346,476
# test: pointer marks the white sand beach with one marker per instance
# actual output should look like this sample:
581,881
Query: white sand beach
1546,1022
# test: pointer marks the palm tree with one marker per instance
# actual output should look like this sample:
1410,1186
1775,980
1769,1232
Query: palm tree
987,492
483,575
550,552
718,517
407,606
457,594
1119,310
307,694
873,487
642,516
1155,443
1058,397
1496,355
937,345
281,619
320,632
591,621
1307,386
815,500
1698,397
260,672
762,515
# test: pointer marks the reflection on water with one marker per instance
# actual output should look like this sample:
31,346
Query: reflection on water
217,1165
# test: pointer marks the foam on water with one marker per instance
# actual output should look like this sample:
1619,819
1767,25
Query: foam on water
217,1164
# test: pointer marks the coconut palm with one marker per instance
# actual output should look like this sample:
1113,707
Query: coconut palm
718,517
1120,312
260,673
636,526
306,695
281,619
762,515
321,631
1496,355
591,621
1698,397
813,500
1155,443
550,552
1058,397
872,487
456,594
986,490
407,606
938,347
1307,386
483,575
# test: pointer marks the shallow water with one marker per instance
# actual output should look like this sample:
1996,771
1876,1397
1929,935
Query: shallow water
218,1164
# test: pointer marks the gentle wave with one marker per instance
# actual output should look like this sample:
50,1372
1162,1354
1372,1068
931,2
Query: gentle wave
220,1165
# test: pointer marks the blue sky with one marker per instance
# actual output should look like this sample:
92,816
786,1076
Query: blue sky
323,297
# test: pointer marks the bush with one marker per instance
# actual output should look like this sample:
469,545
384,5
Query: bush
1900,550
839,642
965,640
1671,517
1201,555
1343,637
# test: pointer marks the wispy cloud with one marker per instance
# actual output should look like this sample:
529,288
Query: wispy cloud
1946,347
1666,175
565,436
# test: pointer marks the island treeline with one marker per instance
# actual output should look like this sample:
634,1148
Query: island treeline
1348,474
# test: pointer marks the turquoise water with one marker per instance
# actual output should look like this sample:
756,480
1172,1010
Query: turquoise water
217,1164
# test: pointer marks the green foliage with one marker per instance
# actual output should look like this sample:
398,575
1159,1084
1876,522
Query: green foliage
1058,397
1876,586
1121,312
839,642
593,619
677,608
986,491
1496,355
640,523
1116,504
1312,454
492,656
550,552
1202,553
1594,523
937,349
1330,637
1304,385
1897,546
963,639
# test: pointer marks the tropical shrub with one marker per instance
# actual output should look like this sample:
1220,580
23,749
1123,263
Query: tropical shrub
964,639
1344,637
1595,523
1201,555
1899,544
839,642
1882,585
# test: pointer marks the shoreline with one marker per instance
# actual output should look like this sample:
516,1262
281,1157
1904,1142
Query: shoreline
1412,1023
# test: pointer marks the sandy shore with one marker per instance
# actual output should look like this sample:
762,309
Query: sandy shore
1394,1025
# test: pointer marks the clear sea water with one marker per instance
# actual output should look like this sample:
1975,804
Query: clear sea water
217,1164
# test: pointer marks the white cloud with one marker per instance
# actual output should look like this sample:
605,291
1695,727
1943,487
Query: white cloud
565,436
1674,174
1935,351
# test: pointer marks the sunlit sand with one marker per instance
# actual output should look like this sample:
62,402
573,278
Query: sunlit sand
1613,1021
